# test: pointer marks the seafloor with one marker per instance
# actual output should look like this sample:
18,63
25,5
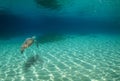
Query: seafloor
62,58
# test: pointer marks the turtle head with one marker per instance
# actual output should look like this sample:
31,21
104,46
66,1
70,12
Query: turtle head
33,37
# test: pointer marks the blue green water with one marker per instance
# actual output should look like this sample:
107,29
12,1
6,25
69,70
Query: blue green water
76,40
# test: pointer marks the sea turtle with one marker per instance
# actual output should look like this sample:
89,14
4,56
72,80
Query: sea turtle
27,43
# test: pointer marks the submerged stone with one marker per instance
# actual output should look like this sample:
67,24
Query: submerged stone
51,4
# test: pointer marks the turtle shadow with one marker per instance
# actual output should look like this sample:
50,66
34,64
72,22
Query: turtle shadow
31,61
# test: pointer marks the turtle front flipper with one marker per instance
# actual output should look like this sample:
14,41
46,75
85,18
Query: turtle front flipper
23,47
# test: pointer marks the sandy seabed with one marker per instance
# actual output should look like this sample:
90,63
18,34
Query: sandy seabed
66,58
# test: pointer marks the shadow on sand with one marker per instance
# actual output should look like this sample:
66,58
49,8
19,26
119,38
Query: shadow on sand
47,38
31,61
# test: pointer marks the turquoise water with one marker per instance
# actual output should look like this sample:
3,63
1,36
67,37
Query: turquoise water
69,57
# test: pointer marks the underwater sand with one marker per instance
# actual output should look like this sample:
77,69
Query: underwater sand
68,58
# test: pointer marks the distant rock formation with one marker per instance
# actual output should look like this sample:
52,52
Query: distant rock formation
51,4
10,24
